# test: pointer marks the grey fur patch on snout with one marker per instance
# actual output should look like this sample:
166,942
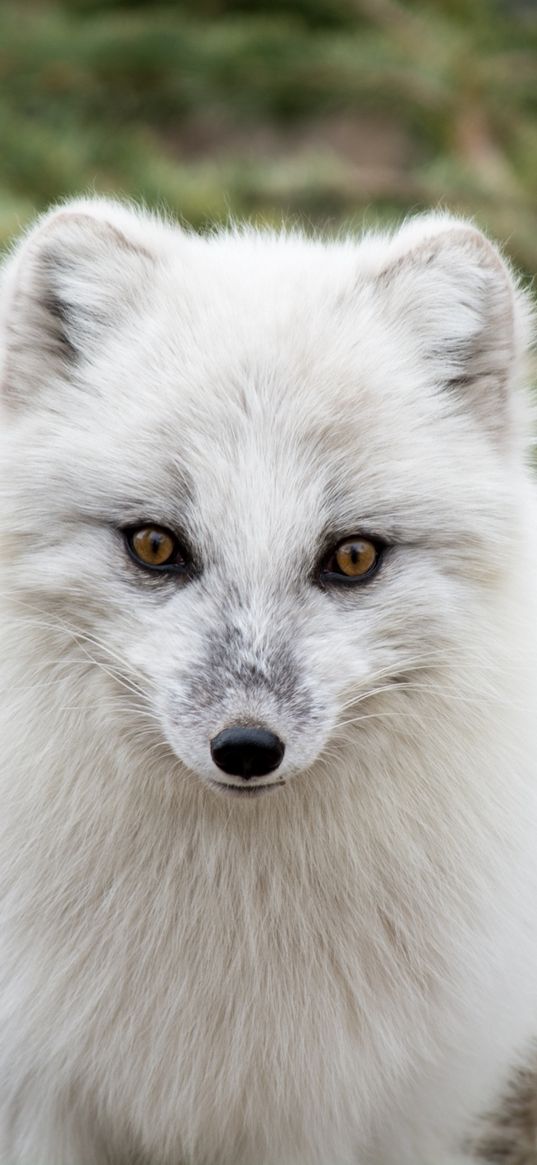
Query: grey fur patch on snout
509,1133
233,666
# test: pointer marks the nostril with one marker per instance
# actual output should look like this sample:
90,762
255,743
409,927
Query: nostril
247,752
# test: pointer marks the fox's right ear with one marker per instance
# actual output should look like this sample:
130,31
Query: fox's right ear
67,287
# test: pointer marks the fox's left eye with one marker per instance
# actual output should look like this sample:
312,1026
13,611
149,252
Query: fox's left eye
354,560
155,547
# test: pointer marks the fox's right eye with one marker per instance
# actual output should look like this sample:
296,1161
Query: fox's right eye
156,548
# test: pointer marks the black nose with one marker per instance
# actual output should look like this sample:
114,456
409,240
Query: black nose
247,752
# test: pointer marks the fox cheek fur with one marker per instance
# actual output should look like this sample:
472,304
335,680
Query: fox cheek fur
342,971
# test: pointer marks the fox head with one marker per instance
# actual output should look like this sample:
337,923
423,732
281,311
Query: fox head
265,486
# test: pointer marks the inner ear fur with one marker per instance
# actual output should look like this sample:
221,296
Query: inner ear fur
71,283
459,298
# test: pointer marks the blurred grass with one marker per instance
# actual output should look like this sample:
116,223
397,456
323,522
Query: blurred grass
329,112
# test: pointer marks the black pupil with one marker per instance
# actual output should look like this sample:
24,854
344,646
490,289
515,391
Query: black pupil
157,546
157,543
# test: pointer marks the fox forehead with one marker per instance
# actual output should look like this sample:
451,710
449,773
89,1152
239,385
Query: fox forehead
267,381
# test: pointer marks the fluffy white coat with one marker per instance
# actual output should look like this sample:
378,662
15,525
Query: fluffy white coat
341,970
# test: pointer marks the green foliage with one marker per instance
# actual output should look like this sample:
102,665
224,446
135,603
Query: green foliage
333,112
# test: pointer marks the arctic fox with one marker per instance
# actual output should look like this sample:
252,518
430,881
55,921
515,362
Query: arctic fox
268,789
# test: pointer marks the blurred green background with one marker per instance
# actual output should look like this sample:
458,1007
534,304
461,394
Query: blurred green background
329,113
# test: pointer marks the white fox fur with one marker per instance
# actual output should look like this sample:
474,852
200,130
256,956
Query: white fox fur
343,969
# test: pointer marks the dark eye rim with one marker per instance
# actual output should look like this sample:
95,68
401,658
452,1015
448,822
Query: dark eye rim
331,578
180,564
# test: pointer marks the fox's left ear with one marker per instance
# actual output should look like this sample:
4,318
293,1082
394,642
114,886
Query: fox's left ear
67,289
451,287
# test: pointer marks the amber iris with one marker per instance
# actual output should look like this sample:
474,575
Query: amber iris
355,558
153,546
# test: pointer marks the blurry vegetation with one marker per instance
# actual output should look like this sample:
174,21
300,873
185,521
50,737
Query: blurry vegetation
327,112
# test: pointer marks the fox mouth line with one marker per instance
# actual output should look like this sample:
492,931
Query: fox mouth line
245,791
